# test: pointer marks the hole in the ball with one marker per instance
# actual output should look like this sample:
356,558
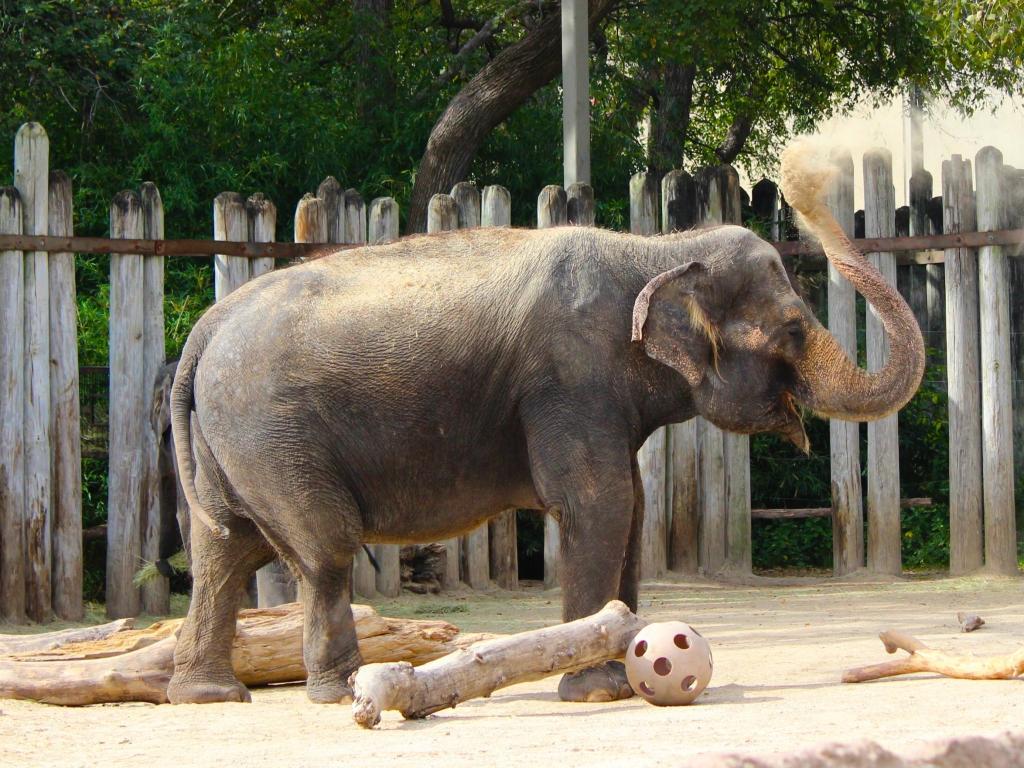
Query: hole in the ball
681,641
662,666
688,682
641,648
645,689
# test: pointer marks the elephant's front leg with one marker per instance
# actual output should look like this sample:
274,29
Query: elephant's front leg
587,481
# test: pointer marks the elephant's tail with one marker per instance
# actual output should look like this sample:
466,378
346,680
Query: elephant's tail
182,401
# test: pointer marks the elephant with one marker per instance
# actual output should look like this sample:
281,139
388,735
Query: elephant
407,392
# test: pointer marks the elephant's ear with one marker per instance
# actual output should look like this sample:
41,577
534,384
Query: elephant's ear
673,326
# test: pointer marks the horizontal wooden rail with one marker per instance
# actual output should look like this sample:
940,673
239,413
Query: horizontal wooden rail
801,512
929,248
172,248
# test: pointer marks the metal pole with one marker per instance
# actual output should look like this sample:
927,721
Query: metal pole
575,92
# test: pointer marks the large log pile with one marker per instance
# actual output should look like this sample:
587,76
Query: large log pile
116,663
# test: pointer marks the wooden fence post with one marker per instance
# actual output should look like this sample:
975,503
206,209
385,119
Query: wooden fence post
884,537
652,458
580,208
552,205
996,387
65,424
678,212
844,436
1013,180
475,546
127,411
229,223
551,212
355,217
930,276
738,550
383,224
962,372
443,216
31,177
764,200
261,215
310,220
12,414
496,210
156,596
467,203
275,584
333,197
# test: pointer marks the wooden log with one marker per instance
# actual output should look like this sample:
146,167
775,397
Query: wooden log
442,213
127,411
229,223
496,210
551,207
501,535
48,641
31,176
678,213
156,595
925,659
643,204
962,373
65,424
310,220
551,212
267,649
844,436
799,512
467,203
261,215
333,196
580,208
484,667
12,415
383,225
452,561
883,502
996,387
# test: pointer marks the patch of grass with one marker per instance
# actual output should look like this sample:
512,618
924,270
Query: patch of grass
439,610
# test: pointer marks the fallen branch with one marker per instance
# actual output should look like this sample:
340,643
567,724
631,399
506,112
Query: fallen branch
47,640
137,665
925,659
484,667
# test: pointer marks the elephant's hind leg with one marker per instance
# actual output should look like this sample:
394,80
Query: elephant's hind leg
329,647
221,569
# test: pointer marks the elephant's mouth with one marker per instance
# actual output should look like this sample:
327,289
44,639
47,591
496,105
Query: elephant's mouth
792,423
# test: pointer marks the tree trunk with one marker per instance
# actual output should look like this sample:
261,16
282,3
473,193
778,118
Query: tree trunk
499,89
670,119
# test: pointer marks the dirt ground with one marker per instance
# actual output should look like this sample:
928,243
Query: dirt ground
779,650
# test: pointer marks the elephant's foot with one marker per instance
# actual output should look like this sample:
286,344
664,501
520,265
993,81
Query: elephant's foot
196,690
605,682
329,687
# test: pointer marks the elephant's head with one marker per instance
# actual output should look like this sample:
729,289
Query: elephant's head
730,322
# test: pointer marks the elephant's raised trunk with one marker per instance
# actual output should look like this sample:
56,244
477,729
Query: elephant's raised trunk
832,385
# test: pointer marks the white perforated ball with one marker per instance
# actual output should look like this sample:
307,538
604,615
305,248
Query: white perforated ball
669,663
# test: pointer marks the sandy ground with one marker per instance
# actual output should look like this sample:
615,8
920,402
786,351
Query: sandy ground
778,650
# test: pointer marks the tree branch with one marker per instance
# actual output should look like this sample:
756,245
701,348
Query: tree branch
735,138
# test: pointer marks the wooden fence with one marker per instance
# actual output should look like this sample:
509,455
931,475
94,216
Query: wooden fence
696,478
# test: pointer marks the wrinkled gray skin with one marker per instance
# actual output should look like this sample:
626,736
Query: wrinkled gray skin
409,392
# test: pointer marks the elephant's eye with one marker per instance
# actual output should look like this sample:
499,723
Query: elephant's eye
793,333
